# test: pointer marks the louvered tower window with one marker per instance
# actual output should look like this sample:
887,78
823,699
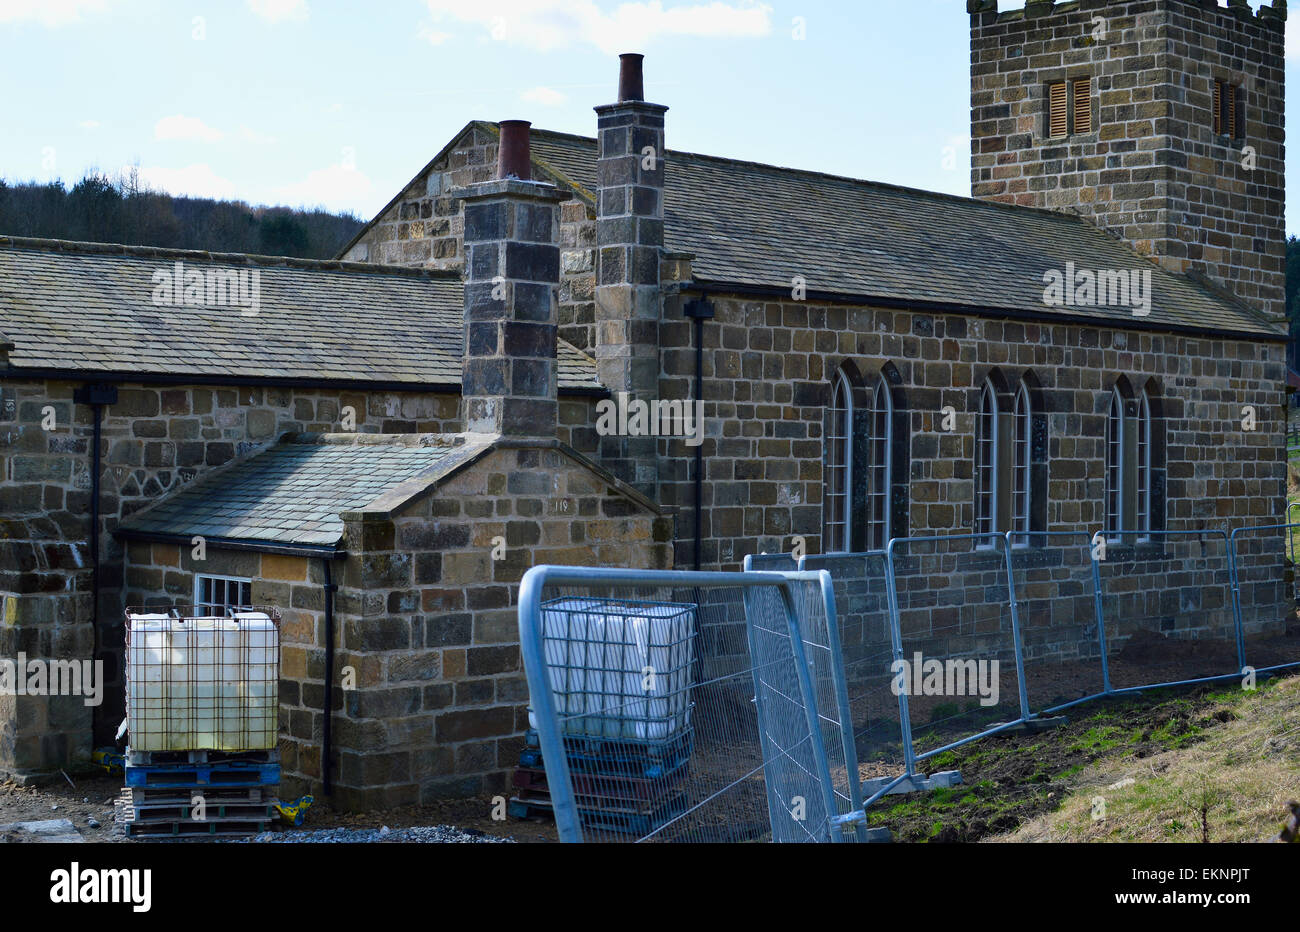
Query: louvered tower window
1069,108
1229,111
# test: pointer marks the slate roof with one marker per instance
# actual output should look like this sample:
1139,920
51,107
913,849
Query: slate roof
761,225
89,308
293,492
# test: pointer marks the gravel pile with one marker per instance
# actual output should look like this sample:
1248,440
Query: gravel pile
424,834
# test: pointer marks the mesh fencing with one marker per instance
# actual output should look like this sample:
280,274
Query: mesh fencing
867,639
1167,605
1266,578
712,707
685,707
951,603
1055,585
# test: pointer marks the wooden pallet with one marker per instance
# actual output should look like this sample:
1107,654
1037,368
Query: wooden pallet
158,812
179,796
163,823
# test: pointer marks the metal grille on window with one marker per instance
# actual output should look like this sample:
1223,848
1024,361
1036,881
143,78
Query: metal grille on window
986,456
1144,468
882,409
217,593
1115,465
839,469
1020,472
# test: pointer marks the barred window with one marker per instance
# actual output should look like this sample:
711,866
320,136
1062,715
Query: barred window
986,462
214,594
1115,429
1020,492
1142,520
836,510
879,477
1130,466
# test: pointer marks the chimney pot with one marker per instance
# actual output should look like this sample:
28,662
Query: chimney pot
631,80
514,156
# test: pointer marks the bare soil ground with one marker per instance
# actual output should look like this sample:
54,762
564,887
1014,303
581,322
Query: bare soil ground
92,797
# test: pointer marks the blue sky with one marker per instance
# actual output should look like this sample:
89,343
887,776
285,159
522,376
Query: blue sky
322,102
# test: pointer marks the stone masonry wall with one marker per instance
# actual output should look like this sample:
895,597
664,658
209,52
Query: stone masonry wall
163,575
767,367
155,439
1152,169
428,619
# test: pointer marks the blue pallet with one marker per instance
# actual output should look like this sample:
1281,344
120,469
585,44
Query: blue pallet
622,759
624,823
231,773
650,761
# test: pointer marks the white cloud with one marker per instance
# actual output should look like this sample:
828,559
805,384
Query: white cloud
432,36
279,11
553,24
90,124
52,13
335,187
195,180
546,96
185,129
253,137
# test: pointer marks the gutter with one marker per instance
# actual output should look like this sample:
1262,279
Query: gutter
199,379
747,289
323,551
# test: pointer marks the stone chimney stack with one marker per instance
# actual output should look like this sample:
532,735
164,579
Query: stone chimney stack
629,240
512,278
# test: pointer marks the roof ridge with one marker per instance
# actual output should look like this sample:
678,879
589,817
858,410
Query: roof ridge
811,172
83,247
358,438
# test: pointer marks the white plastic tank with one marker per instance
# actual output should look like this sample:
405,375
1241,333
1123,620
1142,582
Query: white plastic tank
206,683
619,669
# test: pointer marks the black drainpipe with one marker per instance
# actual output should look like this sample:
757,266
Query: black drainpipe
97,395
326,729
699,310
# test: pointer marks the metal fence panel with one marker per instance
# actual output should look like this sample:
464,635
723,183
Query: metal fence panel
1055,583
869,649
951,601
1265,581
637,747
1168,607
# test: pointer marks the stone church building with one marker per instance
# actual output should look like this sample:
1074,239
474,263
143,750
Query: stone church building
386,442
